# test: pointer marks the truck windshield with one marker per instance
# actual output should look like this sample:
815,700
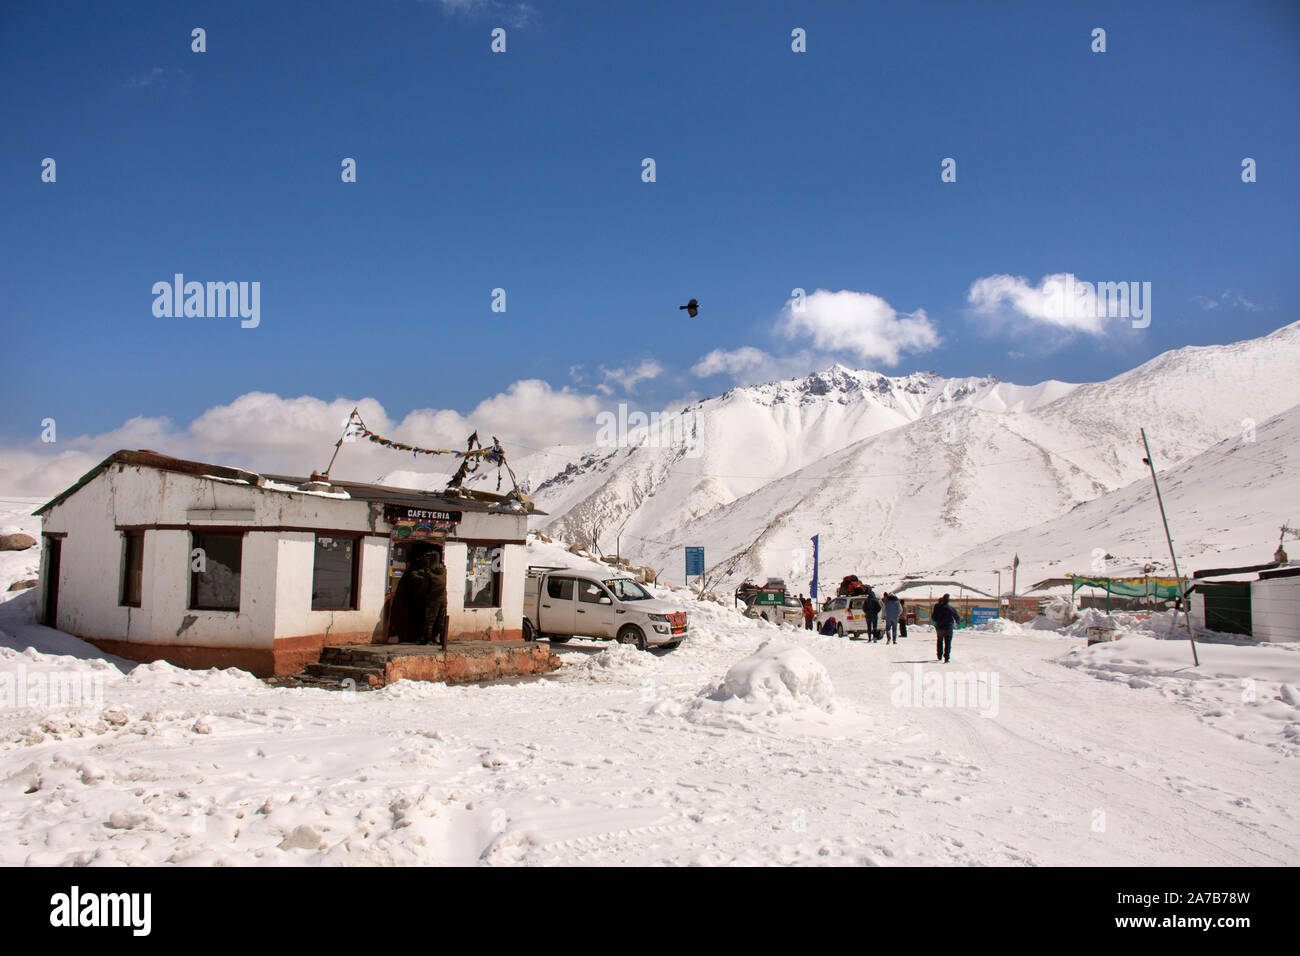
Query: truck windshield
626,589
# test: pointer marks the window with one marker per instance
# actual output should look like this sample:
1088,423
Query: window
132,567
560,588
590,593
215,561
625,589
334,574
483,576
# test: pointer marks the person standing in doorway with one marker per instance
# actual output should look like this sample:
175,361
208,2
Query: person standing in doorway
414,587
435,606
902,618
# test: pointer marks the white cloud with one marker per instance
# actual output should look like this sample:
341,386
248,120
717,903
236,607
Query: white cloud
267,433
860,324
1061,300
1229,298
736,362
629,377
515,14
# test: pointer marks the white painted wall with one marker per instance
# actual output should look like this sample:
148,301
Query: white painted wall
276,572
1275,609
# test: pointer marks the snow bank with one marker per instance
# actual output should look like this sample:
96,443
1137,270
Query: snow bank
1249,690
162,674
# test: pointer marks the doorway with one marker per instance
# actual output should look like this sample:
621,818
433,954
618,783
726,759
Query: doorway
402,557
53,559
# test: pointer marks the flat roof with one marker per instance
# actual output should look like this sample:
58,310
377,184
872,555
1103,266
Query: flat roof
358,490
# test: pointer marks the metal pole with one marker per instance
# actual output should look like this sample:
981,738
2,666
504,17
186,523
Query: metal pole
1178,578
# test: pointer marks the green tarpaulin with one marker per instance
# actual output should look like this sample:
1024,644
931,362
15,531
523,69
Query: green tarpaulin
1166,588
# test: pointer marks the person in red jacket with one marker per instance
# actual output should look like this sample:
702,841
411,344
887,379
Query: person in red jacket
809,612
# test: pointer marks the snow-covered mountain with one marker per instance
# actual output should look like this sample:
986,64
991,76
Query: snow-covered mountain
1226,507
742,440
901,474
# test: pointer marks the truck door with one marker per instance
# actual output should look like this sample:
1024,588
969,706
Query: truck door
590,616
555,616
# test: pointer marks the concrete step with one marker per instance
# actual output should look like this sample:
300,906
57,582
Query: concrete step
362,676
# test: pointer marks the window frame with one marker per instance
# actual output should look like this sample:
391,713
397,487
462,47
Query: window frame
497,589
125,571
354,581
560,579
195,534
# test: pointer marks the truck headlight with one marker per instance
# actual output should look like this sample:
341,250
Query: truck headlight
661,628
660,618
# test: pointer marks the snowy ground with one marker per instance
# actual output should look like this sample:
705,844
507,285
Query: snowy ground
819,750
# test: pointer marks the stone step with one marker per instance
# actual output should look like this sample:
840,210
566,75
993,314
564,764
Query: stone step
362,676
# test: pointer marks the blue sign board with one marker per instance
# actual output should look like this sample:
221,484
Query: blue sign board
694,562
982,615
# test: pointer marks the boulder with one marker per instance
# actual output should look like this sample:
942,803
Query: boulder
16,542
24,585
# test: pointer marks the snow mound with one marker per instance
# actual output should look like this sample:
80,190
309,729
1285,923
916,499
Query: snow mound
776,678
613,660
163,674
1000,625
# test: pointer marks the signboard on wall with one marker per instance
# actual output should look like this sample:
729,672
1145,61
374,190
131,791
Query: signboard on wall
982,615
410,522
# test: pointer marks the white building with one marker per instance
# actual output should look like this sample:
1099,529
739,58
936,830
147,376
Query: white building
1261,601
150,557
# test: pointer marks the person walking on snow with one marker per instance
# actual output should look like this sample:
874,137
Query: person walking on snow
945,619
871,608
809,612
892,610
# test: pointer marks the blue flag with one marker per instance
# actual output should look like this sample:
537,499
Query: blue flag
812,588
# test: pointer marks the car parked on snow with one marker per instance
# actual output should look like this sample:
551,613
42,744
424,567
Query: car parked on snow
561,603
846,613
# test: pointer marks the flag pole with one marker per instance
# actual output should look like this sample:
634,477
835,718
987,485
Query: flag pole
1178,580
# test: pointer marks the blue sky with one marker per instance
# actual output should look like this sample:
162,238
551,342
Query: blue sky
522,171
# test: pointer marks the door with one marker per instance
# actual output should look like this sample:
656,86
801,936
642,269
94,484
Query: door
590,616
53,555
555,616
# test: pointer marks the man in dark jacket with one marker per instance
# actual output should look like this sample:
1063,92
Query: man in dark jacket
944,619
412,592
435,605
871,608
426,599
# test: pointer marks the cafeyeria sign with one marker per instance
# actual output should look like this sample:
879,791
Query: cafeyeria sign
409,522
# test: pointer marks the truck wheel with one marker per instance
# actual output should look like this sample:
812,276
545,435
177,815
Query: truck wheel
839,629
558,638
631,634
529,633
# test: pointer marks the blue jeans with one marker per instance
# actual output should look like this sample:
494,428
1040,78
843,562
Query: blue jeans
891,631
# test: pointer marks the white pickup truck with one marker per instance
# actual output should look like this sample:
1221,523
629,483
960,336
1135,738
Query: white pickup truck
560,603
